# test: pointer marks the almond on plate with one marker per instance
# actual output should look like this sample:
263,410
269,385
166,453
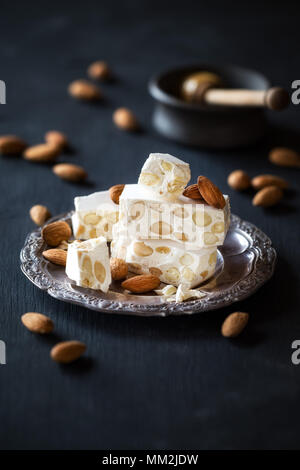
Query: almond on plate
56,138
210,192
69,172
268,196
238,180
261,181
234,324
56,256
115,192
64,245
84,90
141,284
118,269
54,233
39,214
192,191
283,156
11,145
67,351
43,153
37,322
125,119
99,70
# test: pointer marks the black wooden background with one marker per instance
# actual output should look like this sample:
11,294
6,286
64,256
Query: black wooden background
170,383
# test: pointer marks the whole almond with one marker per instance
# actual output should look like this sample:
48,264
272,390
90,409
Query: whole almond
125,119
67,351
238,180
54,233
268,196
141,284
234,324
37,322
11,145
192,192
118,269
69,172
84,90
210,192
56,256
39,214
115,192
99,70
56,138
261,181
43,153
283,156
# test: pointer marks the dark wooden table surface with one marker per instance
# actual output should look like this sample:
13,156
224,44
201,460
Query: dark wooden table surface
170,383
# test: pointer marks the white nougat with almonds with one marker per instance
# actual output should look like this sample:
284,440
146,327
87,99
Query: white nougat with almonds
88,264
166,176
192,222
168,260
94,216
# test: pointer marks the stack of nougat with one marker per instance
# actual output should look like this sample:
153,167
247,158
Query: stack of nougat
164,233
155,229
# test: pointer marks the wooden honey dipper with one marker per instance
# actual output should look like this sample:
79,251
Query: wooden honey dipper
205,87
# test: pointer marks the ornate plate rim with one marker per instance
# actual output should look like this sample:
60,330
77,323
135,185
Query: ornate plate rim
263,269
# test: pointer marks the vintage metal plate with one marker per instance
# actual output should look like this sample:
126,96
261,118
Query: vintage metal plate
245,262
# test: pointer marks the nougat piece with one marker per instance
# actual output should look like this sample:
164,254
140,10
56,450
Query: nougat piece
94,216
166,176
168,260
191,222
88,264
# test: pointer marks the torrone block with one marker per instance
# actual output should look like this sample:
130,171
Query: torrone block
168,260
193,223
166,176
88,264
94,216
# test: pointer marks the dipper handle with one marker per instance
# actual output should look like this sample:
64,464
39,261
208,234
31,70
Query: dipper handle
275,98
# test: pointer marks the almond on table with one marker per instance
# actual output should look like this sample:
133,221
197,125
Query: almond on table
37,322
67,351
234,324
12,145
239,180
99,70
42,153
283,156
84,90
261,181
69,172
39,214
125,119
57,138
268,196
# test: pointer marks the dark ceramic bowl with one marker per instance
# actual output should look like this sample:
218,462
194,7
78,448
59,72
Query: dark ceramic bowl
207,125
